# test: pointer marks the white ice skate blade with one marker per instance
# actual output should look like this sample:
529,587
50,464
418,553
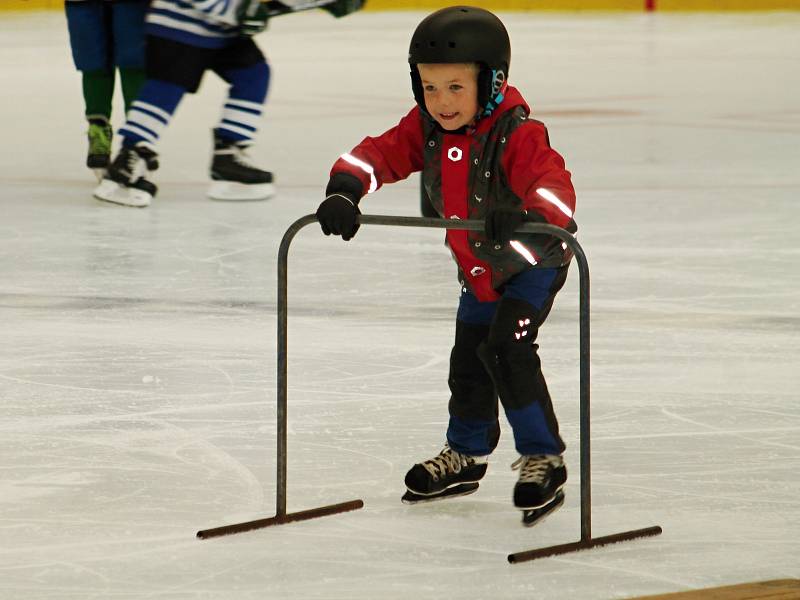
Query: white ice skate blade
111,191
232,191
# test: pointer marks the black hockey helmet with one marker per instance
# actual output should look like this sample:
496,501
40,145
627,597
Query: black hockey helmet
463,34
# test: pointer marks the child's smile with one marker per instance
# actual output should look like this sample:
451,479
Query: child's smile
451,93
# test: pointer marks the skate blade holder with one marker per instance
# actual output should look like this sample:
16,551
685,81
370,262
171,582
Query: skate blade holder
232,191
111,191
282,517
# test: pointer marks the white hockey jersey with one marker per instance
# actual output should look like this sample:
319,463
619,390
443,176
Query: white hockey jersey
204,23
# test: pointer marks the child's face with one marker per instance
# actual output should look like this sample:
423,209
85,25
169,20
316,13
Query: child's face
451,93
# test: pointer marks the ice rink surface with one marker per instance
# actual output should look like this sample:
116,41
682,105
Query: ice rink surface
138,356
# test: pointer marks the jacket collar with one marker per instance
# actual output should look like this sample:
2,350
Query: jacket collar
512,99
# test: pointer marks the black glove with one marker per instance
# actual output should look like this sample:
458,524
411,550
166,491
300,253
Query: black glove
337,215
501,223
340,8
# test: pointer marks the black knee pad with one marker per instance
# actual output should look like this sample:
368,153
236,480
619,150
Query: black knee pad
516,323
510,353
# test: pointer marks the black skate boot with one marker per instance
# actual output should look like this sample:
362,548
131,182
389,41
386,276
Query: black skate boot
99,154
446,475
538,489
125,181
233,175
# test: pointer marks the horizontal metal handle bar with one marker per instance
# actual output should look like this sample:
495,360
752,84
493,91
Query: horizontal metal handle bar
469,225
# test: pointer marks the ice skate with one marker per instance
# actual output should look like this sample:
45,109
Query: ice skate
125,181
446,475
99,154
537,492
234,178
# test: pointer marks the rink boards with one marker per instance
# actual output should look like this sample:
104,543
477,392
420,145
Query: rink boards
778,589
554,5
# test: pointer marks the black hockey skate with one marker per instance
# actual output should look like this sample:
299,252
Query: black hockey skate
99,155
125,181
447,475
234,178
537,492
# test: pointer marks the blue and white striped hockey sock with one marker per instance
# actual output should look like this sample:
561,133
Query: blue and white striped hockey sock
151,113
241,114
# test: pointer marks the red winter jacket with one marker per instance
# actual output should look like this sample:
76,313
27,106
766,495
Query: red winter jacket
506,160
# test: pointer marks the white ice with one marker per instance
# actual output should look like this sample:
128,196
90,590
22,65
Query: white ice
138,356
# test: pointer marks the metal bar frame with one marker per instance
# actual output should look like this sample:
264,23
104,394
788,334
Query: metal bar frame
281,516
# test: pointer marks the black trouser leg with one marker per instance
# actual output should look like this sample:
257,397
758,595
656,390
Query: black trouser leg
473,427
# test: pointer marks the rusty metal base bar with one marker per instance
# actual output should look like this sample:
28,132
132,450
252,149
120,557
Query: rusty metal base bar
303,515
527,555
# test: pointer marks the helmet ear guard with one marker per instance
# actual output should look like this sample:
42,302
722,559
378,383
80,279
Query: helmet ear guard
463,34
492,85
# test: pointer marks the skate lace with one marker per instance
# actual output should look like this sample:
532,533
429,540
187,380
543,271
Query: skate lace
534,469
130,162
241,157
446,462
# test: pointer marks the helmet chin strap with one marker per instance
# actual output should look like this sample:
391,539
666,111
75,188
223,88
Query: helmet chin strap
416,86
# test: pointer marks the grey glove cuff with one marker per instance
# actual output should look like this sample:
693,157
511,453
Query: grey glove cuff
345,185
345,196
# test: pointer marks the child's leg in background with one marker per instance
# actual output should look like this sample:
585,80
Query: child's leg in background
473,428
244,68
89,34
172,70
242,65
129,38
511,356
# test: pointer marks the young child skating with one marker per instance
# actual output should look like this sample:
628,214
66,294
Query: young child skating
482,157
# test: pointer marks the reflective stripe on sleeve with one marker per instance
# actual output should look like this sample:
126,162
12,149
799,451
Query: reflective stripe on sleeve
373,183
554,200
